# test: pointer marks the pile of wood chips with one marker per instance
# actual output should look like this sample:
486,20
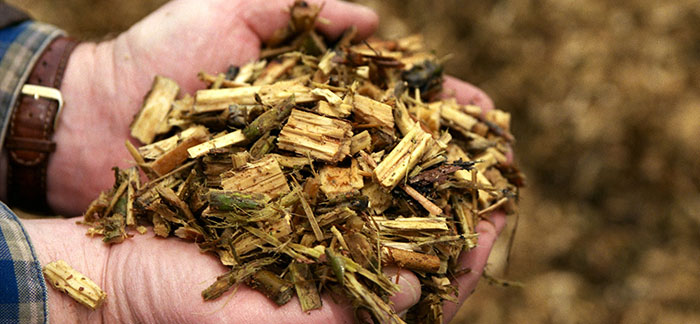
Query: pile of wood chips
311,169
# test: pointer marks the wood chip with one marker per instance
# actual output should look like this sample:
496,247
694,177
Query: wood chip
219,99
373,111
219,142
337,180
264,176
74,284
319,137
175,156
396,165
154,112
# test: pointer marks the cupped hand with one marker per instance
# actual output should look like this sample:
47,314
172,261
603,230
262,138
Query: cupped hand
153,280
105,83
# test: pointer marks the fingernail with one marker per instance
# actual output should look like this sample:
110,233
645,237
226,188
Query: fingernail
410,291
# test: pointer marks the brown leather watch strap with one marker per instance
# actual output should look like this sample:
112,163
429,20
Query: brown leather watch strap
29,141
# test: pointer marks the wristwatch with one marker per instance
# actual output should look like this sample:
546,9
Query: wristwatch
32,124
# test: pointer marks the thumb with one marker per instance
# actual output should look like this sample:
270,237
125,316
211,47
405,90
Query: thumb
410,290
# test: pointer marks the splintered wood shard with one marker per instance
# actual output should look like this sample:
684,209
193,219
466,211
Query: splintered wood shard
309,298
219,99
276,69
396,165
319,137
411,224
174,157
219,142
154,112
75,284
264,176
373,111
159,148
457,116
359,142
337,180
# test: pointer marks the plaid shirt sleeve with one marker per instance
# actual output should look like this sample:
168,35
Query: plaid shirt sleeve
23,296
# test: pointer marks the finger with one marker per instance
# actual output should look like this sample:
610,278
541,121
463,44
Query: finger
466,94
410,290
476,259
266,17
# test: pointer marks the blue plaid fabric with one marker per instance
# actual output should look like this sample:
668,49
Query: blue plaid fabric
22,287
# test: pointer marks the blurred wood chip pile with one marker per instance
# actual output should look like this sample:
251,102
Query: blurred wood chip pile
311,169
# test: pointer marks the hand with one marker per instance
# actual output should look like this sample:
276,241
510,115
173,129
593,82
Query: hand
105,83
153,280
104,86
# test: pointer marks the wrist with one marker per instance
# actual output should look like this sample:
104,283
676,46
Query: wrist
73,247
77,94
92,129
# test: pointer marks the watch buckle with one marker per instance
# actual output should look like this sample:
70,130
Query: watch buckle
38,91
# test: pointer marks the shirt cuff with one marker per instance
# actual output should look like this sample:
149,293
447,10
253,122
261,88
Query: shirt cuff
23,295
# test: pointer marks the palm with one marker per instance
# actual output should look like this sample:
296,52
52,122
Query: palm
161,282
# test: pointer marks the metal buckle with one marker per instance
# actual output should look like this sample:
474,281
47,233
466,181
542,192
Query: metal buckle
38,91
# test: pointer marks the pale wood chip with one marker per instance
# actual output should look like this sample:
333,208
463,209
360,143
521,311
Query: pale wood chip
360,142
319,137
155,150
379,198
457,116
219,142
396,165
336,180
500,118
373,111
219,99
275,69
326,64
264,176
411,223
154,111
249,71
75,284
178,154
